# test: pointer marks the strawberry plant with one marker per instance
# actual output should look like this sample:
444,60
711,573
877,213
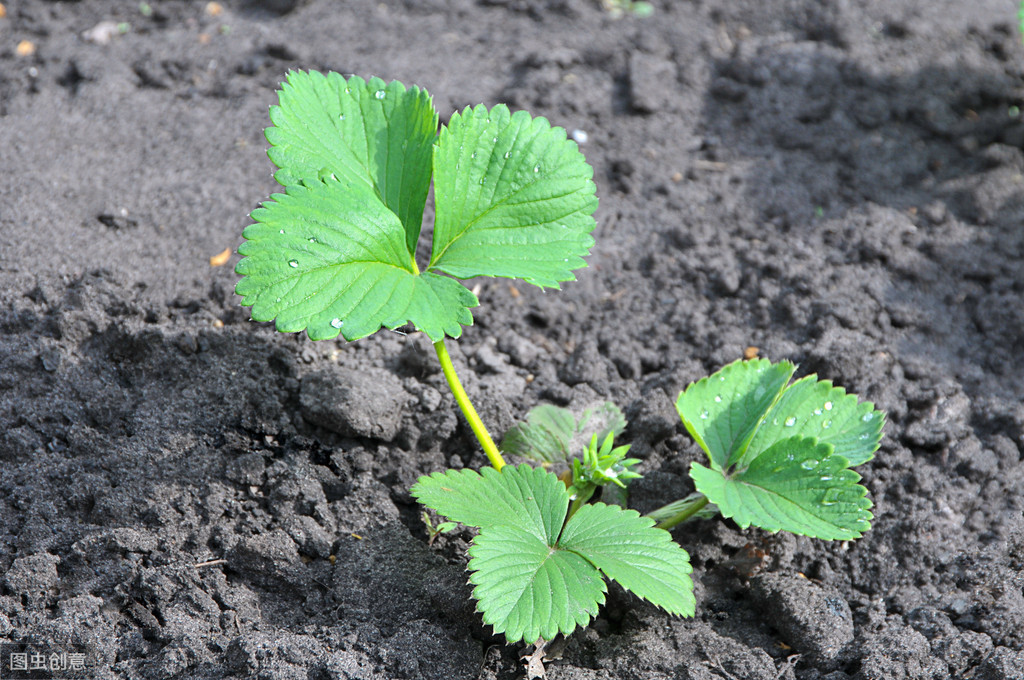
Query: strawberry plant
336,255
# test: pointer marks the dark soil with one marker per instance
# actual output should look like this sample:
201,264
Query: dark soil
835,183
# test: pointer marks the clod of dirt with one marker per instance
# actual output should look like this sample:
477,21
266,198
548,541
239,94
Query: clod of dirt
652,83
360,403
810,618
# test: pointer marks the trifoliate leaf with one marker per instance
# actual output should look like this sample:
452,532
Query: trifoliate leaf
797,485
530,498
330,258
376,133
552,434
532,582
513,197
722,412
627,548
813,408
528,589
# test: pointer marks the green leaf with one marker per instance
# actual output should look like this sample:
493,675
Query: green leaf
545,436
526,589
797,485
814,408
627,548
531,582
532,499
723,411
376,133
330,258
513,197
552,434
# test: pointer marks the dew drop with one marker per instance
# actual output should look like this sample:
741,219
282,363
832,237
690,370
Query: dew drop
864,436
380,94
341,117
494,141
721,378
775,421
809,464
473,155
293,263
313,240
831,497
718,399
348,90
867,417
704,415
337,323
827,424
817,411
483,181
536,168
828,405
826,478
278,299
777,470
508,154
282,231
790,421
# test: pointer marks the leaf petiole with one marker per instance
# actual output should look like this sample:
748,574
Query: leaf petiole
479,429
684,510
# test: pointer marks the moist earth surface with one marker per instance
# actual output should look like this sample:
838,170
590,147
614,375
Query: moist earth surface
186,493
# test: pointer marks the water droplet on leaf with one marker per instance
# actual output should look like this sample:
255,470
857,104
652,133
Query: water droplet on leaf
337,323
536,168
809,464
867,417
828,405
293,263
380,94
790,421
718,399
827,424
704,415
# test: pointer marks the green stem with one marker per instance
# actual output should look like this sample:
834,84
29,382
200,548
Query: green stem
581,497
686,513
466,405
